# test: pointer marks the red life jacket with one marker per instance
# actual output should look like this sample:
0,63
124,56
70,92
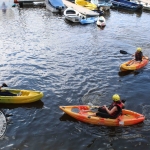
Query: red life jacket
119,108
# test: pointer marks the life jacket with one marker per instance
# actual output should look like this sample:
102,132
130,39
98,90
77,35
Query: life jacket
138,56
119,109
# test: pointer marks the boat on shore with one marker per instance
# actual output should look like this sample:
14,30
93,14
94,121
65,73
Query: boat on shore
84,113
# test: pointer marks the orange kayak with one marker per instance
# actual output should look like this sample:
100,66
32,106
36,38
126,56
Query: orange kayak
134,65
83,112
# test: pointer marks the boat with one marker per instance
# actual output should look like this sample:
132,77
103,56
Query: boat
146,6
80,113
105,4
101,22
55,5
124,4
25,96
134,65
73,15
86,4
88,20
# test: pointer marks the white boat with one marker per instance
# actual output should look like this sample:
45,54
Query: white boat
73,15
101,22
55,5
105,4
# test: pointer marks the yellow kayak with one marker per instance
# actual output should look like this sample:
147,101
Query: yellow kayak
134,65
24,96
83,112
86,4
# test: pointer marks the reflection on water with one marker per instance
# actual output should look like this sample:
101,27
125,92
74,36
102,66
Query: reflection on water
38,105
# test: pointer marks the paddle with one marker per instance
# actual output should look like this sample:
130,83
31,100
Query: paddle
4,85
124,52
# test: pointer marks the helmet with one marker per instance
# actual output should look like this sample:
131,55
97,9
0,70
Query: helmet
116,97
139,49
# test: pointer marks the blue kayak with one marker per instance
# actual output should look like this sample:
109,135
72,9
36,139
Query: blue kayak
56,3
88,20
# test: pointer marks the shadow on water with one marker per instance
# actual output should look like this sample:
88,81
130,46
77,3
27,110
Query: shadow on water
126,11
38,104
66,117
124,73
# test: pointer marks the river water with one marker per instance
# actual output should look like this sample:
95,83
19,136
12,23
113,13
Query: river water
72,64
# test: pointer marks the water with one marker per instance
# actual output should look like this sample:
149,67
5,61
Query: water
72,64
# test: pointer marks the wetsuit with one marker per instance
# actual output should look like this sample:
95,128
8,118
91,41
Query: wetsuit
104,114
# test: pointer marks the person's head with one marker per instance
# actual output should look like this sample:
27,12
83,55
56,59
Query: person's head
116,98
139,49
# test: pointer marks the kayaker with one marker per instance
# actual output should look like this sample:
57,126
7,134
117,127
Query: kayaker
138,54
113,111
7,92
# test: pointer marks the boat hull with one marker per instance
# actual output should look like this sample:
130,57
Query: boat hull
126,5
54,9
80,113
134,65
27,96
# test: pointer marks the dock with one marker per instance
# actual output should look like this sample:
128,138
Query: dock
80,9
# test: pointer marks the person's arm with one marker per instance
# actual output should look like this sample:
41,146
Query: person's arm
110,111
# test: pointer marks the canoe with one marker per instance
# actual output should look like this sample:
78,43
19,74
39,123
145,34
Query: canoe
101,22
26,96
78,112
134,65
86,4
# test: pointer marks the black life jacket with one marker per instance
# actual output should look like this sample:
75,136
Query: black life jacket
119,109
138,56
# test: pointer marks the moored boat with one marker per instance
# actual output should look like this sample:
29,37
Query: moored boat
73,15
134,65
86,4
101,22
88,20
124,4
83,112
105,4
55,5
24,96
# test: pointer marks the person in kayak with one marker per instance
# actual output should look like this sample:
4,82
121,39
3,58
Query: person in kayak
113,111
138,54
7,92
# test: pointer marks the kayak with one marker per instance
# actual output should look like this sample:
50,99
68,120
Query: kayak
134,65
80,113
24,96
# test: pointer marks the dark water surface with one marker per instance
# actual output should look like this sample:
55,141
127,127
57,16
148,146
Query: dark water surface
72,64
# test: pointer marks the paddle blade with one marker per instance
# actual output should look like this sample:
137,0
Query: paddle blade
123,52
4,85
